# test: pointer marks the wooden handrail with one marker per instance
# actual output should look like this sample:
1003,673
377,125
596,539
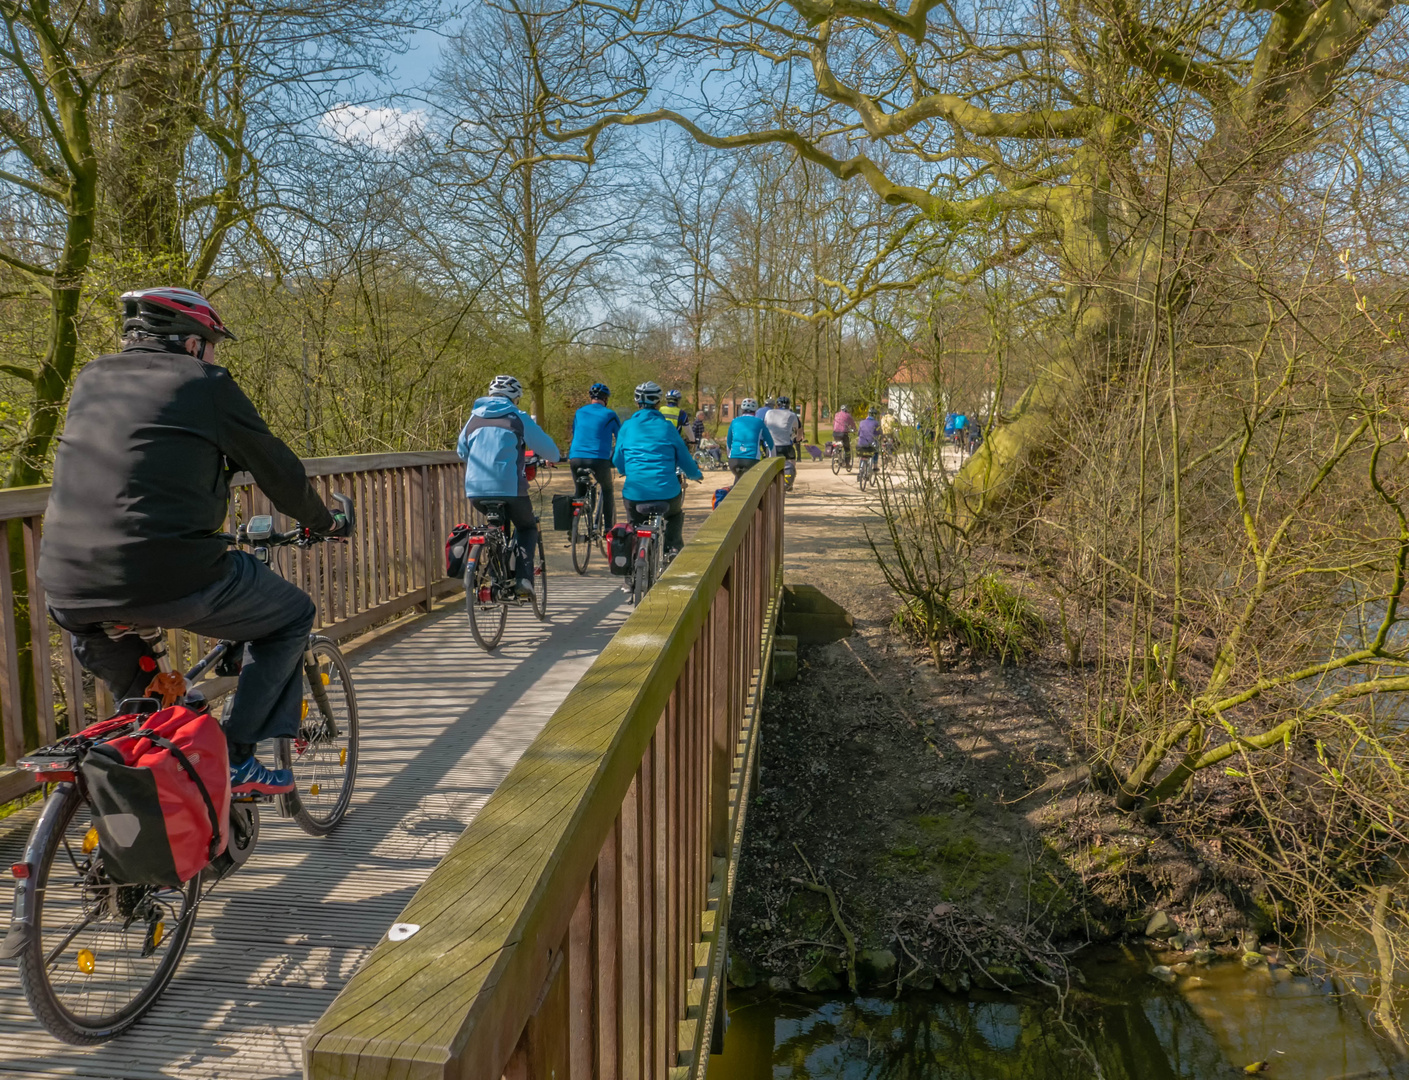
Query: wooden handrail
576,928
406,504
28,501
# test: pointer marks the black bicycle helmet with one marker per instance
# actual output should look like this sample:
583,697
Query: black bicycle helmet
783,401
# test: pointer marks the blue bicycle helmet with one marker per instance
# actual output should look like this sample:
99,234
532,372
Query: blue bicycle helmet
599,390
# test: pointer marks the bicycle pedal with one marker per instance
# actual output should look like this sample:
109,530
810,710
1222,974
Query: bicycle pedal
253,797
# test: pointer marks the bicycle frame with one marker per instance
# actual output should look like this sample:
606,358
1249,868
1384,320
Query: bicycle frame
589,502
492,542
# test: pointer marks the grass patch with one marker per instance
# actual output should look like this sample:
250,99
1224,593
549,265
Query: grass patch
990,620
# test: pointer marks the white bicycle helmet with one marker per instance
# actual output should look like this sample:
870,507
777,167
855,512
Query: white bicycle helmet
506,386
748,405
649,394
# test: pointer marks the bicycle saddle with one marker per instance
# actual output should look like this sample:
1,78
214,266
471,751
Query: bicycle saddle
648,508
585,474
494,512
116,630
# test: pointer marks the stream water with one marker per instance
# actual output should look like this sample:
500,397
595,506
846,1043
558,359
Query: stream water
1120,1025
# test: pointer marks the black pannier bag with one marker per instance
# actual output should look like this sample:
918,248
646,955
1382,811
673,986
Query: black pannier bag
457,547
562,512
621,549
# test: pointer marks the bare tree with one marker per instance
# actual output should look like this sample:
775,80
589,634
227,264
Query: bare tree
553,227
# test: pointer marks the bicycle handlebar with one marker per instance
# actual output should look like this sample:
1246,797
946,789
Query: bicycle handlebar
299,535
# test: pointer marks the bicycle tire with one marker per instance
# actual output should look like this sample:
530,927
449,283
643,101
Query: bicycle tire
482,624
540,582
326,752
45,1000
581,545
640,575
836,462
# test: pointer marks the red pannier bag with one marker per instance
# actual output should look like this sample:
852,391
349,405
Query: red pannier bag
159,786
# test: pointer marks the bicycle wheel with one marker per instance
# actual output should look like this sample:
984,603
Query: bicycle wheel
487,614
836,460
581,537
640,574
99,954
540,582
324,756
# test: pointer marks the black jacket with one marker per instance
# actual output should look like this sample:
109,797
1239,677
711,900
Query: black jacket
142,479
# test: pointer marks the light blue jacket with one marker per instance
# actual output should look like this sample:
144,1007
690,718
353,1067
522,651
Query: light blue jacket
492,446
745,433
648,451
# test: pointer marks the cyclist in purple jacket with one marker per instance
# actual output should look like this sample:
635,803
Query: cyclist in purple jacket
868,432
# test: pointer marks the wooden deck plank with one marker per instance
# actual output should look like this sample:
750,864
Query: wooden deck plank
444,723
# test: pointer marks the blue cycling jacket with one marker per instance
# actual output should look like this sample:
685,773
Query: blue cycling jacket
745,433
492,446
648,451
593,429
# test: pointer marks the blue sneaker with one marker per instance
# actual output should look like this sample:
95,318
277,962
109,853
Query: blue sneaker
252,778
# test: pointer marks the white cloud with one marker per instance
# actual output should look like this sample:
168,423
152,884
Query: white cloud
385,129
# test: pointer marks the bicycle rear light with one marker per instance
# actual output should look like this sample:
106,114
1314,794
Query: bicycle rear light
484,594
643,532
476,539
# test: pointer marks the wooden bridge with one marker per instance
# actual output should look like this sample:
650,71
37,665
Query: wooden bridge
600,762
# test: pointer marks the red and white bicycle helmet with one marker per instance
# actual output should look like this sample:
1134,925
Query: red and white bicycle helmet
172,313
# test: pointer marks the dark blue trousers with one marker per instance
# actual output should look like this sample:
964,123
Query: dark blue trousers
251,604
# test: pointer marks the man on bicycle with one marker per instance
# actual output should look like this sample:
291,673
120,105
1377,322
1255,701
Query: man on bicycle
492,445
672,411
843,425
649,450
747,433
142,487
784,425
594,431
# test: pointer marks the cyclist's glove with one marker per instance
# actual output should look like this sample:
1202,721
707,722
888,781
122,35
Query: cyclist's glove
342,526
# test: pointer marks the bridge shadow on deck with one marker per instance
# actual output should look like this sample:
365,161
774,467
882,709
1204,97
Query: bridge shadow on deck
442,723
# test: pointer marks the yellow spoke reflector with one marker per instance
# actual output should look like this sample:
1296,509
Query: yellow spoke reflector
305,711
158,932
342,756
90,841
327,678
313,789
86,961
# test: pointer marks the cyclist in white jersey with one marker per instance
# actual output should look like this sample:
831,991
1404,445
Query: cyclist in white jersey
785,426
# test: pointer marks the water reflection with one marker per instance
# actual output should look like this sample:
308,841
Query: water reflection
1121,1026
